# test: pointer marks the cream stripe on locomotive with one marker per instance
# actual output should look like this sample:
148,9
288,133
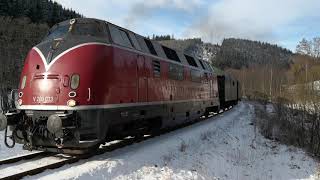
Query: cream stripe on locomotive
106,106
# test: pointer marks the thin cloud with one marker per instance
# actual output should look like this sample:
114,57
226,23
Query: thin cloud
251,19
276,21
140,10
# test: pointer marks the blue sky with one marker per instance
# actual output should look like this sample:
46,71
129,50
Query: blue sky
283,22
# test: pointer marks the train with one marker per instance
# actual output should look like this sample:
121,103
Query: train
90,81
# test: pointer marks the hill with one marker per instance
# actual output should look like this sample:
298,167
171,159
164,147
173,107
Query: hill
239,53
195,47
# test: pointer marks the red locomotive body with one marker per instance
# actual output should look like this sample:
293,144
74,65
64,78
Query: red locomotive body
90,81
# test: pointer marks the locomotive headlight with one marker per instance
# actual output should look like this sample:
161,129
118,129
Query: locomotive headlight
75,80
19,102
71,103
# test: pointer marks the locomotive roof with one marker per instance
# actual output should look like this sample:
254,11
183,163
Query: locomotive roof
90,20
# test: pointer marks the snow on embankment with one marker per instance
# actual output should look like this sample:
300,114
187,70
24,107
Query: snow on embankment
224,147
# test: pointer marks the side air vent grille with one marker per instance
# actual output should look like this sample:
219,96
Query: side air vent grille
156,68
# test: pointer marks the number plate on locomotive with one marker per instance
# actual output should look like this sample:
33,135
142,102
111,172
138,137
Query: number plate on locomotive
44,99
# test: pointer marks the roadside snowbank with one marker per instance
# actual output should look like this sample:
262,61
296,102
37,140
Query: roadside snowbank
225,147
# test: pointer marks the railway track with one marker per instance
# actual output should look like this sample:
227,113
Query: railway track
32,164
15,159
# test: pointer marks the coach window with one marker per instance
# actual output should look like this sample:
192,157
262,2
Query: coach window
119,37
150,46
171,54
191,60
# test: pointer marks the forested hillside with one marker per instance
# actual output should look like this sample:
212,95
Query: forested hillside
239,53
39,11
234,53
17,37
23,23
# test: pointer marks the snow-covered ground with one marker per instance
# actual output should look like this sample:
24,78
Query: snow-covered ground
6,153
226,146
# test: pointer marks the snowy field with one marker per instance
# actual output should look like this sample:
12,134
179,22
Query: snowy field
226,146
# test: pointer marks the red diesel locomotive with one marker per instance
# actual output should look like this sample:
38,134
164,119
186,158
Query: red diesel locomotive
90,81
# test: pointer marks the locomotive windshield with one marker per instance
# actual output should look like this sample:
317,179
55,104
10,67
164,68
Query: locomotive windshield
78,29
58,32
87,29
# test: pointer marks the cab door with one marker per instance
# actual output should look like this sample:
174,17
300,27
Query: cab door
142,79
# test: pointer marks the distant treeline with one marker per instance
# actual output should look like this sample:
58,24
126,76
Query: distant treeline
161,37
39,11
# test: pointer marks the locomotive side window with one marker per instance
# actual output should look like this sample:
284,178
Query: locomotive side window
142,43
191,61
175,72
57,32
171,54
150,46
210,67
195,76
156,68
134,41
207,66
125,39
119,37
201,64
115,34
